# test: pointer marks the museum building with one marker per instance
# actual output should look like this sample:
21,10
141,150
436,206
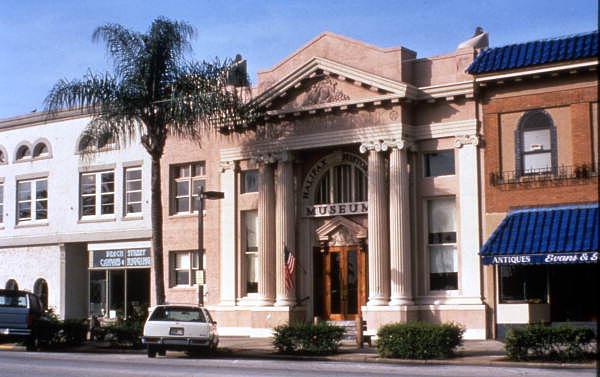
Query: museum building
365,174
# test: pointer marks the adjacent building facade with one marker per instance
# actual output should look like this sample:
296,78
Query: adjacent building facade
539,105
74,229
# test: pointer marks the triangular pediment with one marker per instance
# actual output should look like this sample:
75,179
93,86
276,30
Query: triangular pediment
321,81
341,231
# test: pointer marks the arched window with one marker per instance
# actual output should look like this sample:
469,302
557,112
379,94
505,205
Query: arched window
12,285
343,183
536,143
3,159
40,150
23,153
40,288
89,143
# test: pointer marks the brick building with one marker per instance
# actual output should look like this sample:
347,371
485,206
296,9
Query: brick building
539,112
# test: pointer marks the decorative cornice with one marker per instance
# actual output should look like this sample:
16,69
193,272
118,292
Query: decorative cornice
462,140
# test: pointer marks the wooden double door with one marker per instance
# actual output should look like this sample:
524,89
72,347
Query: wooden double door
342,287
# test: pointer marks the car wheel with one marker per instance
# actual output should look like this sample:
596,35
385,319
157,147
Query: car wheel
32,343
162,352
151,352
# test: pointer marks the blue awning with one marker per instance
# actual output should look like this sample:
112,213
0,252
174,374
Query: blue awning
549,235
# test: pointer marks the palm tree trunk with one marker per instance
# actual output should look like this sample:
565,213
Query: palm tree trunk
157,232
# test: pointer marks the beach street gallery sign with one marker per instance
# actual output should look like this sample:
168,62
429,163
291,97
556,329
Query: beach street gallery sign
121,258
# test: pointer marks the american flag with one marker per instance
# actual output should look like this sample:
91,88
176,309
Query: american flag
289,264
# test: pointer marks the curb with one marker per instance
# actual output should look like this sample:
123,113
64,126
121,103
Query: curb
368,358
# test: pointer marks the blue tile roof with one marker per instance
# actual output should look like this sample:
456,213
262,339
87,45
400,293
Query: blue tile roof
544,51
543,231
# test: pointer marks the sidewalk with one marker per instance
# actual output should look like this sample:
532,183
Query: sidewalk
473,352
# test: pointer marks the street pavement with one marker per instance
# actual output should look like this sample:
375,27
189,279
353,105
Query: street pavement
17,364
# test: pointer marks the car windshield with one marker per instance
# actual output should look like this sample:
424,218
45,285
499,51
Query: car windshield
15,300
180,314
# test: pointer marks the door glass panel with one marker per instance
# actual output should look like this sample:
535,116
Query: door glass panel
98,292
336,283
352,282
116,282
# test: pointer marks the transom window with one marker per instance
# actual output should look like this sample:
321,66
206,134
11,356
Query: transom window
187,268
23,153
344,183
536,143
441,240
133,191
32,200
97,193
439,163
189,180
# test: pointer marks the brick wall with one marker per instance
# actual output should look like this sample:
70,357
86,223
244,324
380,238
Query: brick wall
575,94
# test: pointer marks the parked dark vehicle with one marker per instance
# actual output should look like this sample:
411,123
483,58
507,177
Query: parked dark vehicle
21,314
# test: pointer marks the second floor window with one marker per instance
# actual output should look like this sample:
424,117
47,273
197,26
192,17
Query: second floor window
250,219
536,143
32,200
189,179
249,181
186,268
97,193
133,191
439,163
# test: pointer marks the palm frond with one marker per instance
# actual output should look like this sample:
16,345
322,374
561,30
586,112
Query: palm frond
88,93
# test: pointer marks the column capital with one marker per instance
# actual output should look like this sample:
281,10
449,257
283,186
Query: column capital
402,144
378,146
228,165
462,140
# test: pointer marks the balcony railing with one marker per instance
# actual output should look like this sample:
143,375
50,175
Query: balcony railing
545,175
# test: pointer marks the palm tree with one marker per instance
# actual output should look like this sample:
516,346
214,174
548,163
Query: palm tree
153,93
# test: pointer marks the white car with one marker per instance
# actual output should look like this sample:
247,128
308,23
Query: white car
179,328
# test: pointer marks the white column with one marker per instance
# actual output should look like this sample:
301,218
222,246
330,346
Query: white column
400,247
285,224
228,228
378,222
266,235
468,203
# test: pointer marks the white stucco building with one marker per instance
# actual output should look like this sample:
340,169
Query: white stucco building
75,230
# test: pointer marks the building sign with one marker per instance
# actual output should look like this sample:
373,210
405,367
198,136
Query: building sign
336,209
570,258
121,258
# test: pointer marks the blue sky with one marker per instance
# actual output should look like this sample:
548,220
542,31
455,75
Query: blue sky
42,41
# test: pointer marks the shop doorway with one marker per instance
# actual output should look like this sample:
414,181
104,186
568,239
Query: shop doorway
119,293
341,282
573,293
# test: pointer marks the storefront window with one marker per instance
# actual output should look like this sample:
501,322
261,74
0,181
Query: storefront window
523,284
98,293
116,298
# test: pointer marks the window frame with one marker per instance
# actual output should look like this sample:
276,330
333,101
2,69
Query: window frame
190,180
196,262
97,195
520,153
429,245
246,251
127,191
33,201
243,186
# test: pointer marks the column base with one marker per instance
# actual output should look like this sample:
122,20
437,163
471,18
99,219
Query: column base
378,301
285,302
401,301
